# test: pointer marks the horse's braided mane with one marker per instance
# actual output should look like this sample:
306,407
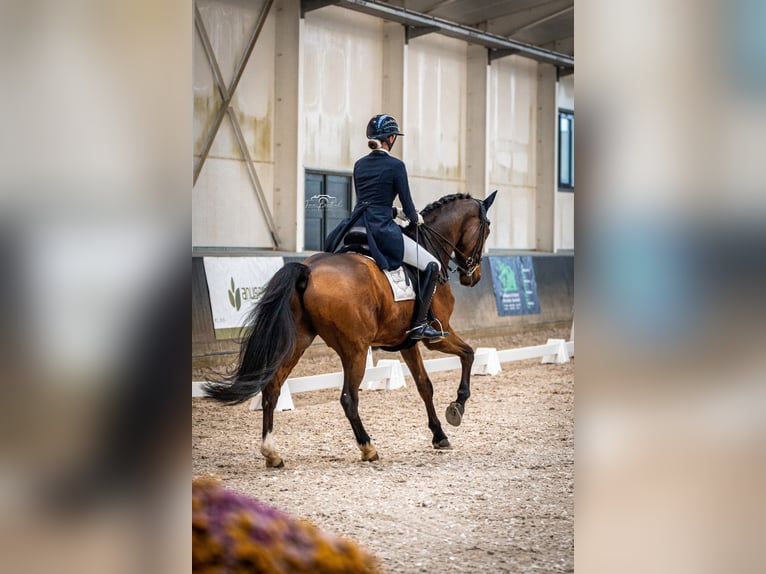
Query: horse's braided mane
446,199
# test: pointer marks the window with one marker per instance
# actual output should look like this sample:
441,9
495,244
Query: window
327,202
566,150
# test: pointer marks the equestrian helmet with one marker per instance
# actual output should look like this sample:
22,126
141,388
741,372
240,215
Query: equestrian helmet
382,126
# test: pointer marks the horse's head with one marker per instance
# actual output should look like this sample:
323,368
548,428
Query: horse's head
470,244
461,227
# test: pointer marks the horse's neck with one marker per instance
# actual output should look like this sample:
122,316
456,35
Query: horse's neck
449,228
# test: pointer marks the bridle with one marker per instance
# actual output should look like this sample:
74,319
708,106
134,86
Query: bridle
435,241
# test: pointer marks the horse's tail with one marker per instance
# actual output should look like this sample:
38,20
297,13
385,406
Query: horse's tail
270,341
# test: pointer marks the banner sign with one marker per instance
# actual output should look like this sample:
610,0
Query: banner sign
235,284
513,280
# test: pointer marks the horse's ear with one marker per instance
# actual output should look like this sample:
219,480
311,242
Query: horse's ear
490,200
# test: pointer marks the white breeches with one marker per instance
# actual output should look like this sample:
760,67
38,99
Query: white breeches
417,255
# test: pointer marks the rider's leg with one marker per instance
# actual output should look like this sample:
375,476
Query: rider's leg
416,255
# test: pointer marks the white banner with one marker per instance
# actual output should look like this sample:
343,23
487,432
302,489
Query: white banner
235,285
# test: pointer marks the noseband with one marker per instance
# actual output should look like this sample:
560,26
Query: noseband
434,239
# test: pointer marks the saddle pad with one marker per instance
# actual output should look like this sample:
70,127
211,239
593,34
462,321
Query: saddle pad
400,285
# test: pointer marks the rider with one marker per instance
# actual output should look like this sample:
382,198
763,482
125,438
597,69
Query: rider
378,179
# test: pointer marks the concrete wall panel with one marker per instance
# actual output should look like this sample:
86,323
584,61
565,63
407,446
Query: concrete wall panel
510,215
229,25
225,209
254,98
566,92
425,190
435,116
342,86
512,152
522,212
206,99
565,220
512,113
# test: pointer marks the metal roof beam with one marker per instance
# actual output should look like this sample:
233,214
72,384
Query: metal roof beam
453,30
309,5
493,55
412,32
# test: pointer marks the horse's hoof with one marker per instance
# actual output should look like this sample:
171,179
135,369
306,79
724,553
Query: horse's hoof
454,414
443,444
272,464
369,452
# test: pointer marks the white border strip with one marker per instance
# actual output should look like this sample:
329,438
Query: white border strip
482,358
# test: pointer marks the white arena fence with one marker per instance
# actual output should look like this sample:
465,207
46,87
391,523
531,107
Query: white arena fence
389,374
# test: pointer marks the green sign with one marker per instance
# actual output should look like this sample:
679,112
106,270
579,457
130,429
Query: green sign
513,280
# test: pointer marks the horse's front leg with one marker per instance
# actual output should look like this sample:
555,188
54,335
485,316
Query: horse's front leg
454,345
353,373
426,389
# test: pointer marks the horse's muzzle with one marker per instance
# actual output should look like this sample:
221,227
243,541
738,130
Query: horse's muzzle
470,280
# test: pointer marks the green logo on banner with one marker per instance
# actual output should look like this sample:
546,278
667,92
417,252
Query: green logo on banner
235,297
507,277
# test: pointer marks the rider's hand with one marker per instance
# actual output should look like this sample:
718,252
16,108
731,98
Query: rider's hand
420,219
399,218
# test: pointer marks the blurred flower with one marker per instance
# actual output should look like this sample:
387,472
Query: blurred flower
235,533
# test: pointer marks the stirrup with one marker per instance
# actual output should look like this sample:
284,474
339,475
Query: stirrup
425,331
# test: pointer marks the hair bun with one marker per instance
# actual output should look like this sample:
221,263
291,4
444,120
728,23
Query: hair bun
374,144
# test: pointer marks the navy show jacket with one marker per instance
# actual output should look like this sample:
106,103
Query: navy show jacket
378,179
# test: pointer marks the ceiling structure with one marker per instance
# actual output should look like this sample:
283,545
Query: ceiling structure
545,23
540,29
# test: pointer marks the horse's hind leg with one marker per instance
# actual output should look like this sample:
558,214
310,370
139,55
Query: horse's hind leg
454,345
269,398
426,389
353,372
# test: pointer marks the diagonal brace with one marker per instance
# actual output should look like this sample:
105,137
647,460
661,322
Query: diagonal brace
253,175
226,109
226,94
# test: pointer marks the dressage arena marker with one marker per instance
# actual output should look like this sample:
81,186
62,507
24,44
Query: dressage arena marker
389,374
560,356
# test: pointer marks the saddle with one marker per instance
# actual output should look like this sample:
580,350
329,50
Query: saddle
355,241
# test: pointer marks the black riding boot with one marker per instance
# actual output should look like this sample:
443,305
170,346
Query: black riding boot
421,329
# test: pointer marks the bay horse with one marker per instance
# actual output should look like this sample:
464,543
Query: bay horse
347,301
